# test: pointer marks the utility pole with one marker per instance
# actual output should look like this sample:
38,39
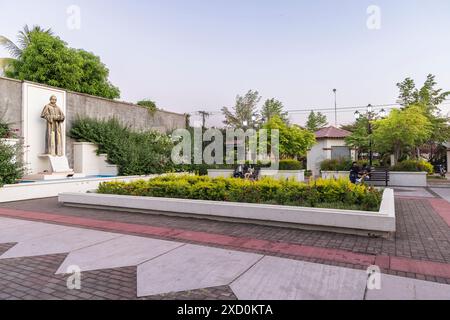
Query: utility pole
205,115
335,108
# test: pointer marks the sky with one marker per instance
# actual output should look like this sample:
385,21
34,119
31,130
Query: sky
191,55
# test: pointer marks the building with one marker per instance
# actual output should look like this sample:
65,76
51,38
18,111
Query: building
330,145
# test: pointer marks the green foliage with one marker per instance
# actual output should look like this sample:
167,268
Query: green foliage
11,169
414,166
290,164
360,137
273,107
245,110
294,141
149,104
402,131
341,164
318,193
316,121
47,59
136,153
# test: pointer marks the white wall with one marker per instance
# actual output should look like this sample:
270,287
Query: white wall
35,97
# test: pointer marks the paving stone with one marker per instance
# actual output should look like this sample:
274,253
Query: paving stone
282,279
398,288
192,267
120,252
61,242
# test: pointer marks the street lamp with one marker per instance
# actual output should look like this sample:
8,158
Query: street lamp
371,115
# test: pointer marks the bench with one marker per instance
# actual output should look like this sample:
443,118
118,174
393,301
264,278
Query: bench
380,175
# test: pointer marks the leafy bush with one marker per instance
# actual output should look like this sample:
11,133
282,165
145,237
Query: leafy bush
414,166
341,164
135,153
149,104
319,193
290,165
11,168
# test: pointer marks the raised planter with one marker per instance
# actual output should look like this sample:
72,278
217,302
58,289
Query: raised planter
46,189
298,175
408,179
220,173
335,174
380,223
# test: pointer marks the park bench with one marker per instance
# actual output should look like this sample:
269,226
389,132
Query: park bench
380,175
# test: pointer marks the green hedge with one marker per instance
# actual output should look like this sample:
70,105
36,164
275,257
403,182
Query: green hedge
290,165
135,153
10,168
414,166
340,194
336,165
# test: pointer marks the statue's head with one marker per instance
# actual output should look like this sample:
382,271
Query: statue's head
53,100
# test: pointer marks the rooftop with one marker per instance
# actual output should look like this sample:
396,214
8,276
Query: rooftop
332,133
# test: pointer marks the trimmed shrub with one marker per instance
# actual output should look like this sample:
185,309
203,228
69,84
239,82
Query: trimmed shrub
341,164
10,168
414,166
290,165
135,153
318,193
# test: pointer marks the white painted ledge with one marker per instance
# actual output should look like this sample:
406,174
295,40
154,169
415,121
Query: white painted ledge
382,223
408,179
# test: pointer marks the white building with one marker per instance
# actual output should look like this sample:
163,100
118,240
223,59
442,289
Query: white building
330,145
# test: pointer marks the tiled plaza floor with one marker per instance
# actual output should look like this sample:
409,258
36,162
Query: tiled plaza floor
423,239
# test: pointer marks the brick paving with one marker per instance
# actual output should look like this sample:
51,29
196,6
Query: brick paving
422,235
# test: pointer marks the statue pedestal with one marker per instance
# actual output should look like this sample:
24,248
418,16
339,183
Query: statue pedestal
59,169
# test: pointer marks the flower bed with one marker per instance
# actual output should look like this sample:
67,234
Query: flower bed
336,194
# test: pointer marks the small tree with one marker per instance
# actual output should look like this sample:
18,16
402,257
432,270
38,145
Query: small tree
149,104
244,111
316,121
272,108
402,131
11,169
48,60
294,141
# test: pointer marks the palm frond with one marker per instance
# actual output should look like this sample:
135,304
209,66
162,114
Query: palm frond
24,36
14,50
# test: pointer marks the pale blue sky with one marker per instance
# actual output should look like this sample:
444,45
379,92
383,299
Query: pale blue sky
196,54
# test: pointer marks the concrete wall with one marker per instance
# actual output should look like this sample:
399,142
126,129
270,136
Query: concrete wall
11,103
81,105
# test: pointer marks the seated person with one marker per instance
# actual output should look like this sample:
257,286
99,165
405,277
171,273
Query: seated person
354,172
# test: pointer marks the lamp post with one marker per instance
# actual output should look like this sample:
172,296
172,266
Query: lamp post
371,115
335,107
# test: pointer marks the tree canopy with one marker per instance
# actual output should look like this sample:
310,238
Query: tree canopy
45,58
316,121
244,111
402,131
273,107
294,141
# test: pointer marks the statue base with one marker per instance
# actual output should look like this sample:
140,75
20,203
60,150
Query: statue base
58,170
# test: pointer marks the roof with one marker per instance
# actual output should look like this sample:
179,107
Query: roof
332,133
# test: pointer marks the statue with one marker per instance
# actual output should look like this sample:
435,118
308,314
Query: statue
54,135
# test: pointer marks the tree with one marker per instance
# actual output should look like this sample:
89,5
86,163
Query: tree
244,111
48,60
429,97
316,121
273,107
360,137
23,40
294,141
402,131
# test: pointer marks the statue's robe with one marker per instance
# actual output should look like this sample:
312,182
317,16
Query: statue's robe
54,136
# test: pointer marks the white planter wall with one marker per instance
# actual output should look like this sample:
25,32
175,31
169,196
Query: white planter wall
345,221
298,175
87,162
220,173
408,179
335,174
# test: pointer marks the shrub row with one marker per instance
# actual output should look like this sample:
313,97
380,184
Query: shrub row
135,153
414,166
340,194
